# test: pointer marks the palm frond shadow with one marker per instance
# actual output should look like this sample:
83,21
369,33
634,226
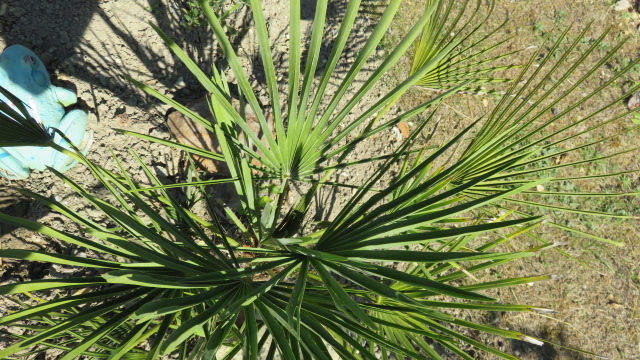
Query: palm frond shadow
95,64
73,48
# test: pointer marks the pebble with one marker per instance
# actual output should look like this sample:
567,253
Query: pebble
132,100
64,37
622,5
180,83
397,133
156,48
634,101
104,81
46,57
86,96
159,133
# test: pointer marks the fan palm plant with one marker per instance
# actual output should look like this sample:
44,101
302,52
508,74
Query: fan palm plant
383,277
456,31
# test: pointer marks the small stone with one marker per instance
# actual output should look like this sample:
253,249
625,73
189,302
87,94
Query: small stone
622,5
85,96
132,100
104,81
397,133
634,101
64,37
157,132
180,83
157,49
46,57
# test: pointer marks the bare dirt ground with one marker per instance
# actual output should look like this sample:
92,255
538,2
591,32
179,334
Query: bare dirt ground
88,45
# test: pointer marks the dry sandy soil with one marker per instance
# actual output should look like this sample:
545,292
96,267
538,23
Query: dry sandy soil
88,45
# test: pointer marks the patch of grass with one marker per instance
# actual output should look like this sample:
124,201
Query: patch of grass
194,16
